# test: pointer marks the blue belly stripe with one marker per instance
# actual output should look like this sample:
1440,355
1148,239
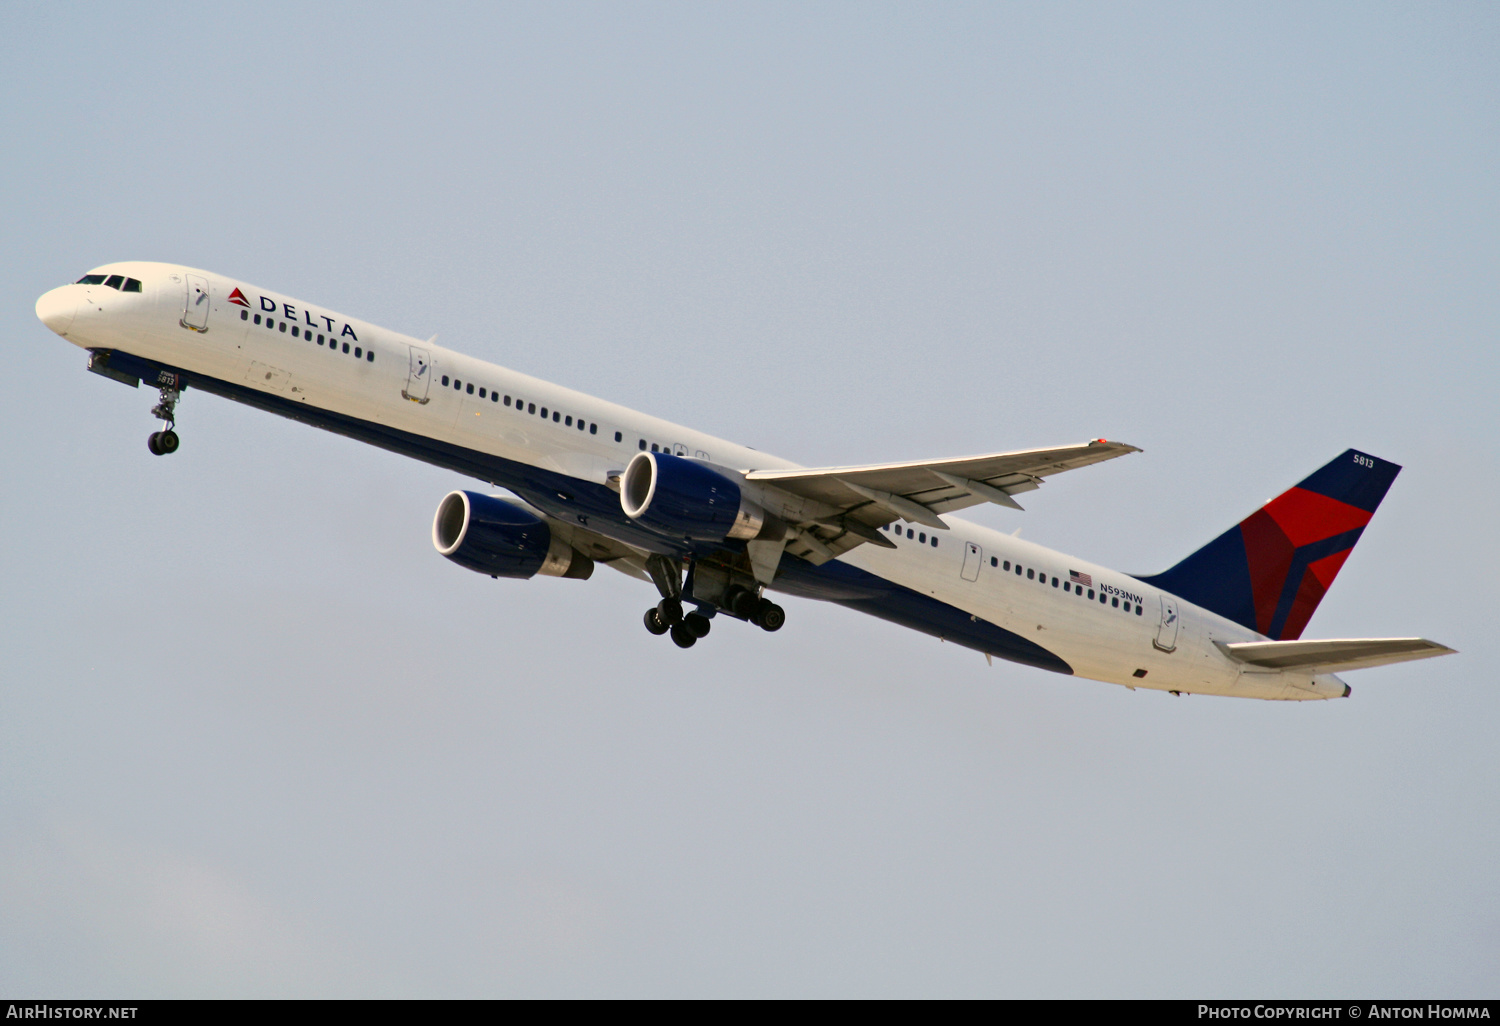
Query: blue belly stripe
598,507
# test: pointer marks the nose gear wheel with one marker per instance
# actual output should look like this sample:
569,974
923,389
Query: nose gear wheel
165,442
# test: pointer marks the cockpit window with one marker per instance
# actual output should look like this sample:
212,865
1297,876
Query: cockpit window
114,281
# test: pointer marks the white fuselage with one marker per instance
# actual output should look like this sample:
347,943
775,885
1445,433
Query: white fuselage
1112,628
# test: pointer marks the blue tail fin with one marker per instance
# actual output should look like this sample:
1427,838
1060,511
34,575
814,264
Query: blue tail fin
1270,571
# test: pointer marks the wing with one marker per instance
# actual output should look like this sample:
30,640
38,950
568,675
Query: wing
1332,656
842,507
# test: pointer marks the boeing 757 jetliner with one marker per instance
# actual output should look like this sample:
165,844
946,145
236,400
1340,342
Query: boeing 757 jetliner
714,526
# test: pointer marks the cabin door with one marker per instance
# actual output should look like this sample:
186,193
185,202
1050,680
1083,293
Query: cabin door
418,376
1166,632
973,556
195,303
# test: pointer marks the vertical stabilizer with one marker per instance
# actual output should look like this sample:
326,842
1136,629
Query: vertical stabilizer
1270,571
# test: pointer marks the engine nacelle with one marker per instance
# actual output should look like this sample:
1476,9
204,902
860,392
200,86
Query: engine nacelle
500,538
684,498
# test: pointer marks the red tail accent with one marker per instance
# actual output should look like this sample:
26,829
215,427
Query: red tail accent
1269,553
1327,568
1307,517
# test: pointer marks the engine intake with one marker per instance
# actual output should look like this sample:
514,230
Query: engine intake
500,538
684,498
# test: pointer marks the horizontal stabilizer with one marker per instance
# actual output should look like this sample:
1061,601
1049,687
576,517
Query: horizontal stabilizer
1332,656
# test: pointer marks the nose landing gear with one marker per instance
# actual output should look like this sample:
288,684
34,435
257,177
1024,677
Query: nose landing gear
165,442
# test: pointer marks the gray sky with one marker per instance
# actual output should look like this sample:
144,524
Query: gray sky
258,738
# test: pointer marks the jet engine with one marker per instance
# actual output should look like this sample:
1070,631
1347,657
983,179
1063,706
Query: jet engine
684,498
503,539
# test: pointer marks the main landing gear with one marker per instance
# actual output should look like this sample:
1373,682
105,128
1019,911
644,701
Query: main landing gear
165,442
667,616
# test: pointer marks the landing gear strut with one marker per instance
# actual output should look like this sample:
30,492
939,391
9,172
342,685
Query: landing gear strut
165,442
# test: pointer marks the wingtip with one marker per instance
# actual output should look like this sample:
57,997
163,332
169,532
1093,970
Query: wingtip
1118,445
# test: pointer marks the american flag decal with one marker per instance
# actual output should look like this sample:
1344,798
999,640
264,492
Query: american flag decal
1078,578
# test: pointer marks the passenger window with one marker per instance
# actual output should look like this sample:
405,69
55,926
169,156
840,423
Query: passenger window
643,445
1115,602
1018,569
653,447
281,325
1054,582
1007,565
618,437
569,421
294,331
320,340
369,356
457,385
358,354
244,315
922,537
994,561
114,281
1030,575
1137,610
580,424
1067,586
556,416
494,397
482,393
910,533
445,381
531,407
134,285
469,388
544,413
507,400
346,347
257,318
934,541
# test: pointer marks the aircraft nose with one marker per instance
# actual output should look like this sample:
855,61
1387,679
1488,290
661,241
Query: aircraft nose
56,309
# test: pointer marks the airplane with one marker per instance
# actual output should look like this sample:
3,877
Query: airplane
716,527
